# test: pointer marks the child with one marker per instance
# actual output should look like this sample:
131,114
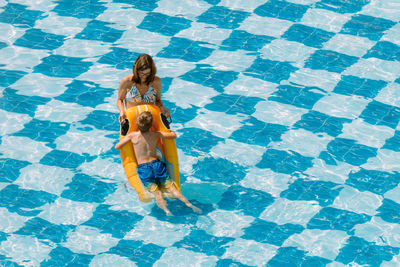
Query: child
152,172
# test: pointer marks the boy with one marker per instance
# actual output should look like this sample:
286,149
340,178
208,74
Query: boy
152,172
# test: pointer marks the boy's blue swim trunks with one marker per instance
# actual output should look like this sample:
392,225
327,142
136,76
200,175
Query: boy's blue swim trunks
153,174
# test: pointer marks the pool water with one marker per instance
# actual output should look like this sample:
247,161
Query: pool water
287,115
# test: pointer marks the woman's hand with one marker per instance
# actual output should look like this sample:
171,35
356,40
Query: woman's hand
122,117
165,111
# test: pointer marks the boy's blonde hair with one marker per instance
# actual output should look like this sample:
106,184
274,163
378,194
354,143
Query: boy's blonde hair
145,121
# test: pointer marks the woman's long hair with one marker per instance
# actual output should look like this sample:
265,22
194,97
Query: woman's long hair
144,61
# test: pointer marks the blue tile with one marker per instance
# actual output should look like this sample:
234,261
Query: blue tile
233,104
23,201
116,223
317,122
61,256
10,169
307,35
19,15
322,192
229,263
63,67
45,230
285,161
213,2
223,17
269,70
200,241
393,143
218,170
85,93
384,50
120,58
3,237
246,41
8,263
377,182
145,5
85,188
330,61
98,30
365,253
197,141
291,256
13,102
164,24
281,10
352,85
255,132
102,120
205,75
251,202
389,211
185,49
367,26
63,159
343,6
143,254
80,8
377,113
43,131
2,45
347,150
37,39
8,77
335,219
297,95
269,232
180,115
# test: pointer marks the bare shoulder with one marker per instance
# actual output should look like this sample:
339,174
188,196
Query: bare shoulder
157,82
127,79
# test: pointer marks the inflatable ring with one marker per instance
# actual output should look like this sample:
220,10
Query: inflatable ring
166,149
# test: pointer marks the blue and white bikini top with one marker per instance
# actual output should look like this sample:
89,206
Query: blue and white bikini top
133,95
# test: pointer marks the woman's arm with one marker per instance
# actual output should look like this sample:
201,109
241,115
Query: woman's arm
121,97
159,103
168,135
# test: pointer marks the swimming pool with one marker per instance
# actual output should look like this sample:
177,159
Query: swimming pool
287,114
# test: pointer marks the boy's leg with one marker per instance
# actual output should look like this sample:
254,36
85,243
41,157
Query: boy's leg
161,201
172,189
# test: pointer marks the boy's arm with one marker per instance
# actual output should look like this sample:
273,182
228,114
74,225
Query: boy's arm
123,142
168,135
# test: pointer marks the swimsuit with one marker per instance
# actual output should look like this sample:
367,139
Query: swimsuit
133,95
153,174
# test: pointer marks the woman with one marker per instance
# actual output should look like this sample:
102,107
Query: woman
141,87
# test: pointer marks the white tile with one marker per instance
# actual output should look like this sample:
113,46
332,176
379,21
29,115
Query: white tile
106,168
89,240
248,86
318,243
40,177
184,8
58,111
395,261
110,77
392,35
330,173
82,48
303,142
284,211
186,258
266,180
265,26
160,233
21,58
249,252
278,113
23,148
9,33
187,94
25,250
42,5
122,16
327,20
287,51
387,9
37,84
172,67
303,2
341,106
390,95
353,200
105,260
374,68
11,122
61,25
11,221
385,160
68,212
340,43
242,5
319,78
380,232
224,223
204,32
218,123
237,61
393,194
239,153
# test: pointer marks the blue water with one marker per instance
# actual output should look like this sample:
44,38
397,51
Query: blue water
287,115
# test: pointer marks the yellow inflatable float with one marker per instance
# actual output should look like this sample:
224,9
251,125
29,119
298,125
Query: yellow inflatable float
166,149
